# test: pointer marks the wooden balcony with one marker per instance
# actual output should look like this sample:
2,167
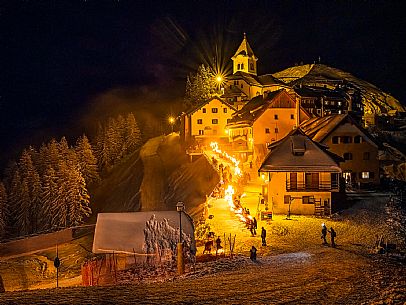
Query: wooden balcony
321,186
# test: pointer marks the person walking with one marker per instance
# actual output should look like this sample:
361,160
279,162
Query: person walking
263,236
255,223
324,233
332,236
253,254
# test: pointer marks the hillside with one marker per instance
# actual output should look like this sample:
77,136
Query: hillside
155,178
373,98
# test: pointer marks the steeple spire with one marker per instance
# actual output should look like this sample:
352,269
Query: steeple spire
244,59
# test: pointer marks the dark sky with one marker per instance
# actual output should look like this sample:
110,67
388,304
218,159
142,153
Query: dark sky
58,55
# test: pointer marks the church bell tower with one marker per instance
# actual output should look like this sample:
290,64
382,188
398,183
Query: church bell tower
244,59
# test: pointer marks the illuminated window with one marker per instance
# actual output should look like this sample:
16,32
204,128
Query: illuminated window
204,110
199,121
292,116
347,156
335,140
225,110
266,130
365,175
275,117
215,121
201,132
214,110
339,103
307,199
366,156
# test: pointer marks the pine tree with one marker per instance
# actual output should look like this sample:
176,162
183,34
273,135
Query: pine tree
14,199
30,175
200,86
49,197
87,160
4,213
133,133
79,199
23,217
102,153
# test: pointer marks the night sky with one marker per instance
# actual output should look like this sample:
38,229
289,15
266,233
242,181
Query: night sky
58,56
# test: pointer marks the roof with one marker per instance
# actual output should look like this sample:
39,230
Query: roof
193,110
309,156
253,80
244,49
314,92
255,107
319,128
126,232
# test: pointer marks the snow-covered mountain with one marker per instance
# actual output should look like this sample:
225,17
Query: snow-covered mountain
373,98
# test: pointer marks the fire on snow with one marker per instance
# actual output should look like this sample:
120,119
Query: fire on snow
229,192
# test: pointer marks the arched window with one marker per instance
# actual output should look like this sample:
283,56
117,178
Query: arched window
242,66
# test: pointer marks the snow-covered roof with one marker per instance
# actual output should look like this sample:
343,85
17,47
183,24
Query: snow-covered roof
244,49
298,153
124,232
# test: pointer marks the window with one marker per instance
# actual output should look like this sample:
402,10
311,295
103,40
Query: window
366,156
334,180
346,139
364,175
292,116
312,180
242,66
266,130
204,110
199,121
238,67
357,139
251,66
339,103
225,110
335,140
276,130
307,199
275,116
293,181
215,121
214,110
201,132
347,156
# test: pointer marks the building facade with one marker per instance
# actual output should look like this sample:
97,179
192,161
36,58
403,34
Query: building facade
207,122
344,137
302,178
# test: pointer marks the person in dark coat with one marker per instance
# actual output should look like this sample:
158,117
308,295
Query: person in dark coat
324,233
255,223
253,254
332,236
263,236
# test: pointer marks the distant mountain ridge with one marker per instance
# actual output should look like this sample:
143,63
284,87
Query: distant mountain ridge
373,98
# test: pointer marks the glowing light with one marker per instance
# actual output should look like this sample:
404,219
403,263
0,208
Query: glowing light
171,120
219,79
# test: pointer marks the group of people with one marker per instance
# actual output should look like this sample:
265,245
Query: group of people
333,235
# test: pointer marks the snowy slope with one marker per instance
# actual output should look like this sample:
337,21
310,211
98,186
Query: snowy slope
374,99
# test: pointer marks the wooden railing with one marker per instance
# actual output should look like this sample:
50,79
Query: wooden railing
302,187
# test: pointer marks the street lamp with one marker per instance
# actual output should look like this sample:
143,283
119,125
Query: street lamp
171,121
180,207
